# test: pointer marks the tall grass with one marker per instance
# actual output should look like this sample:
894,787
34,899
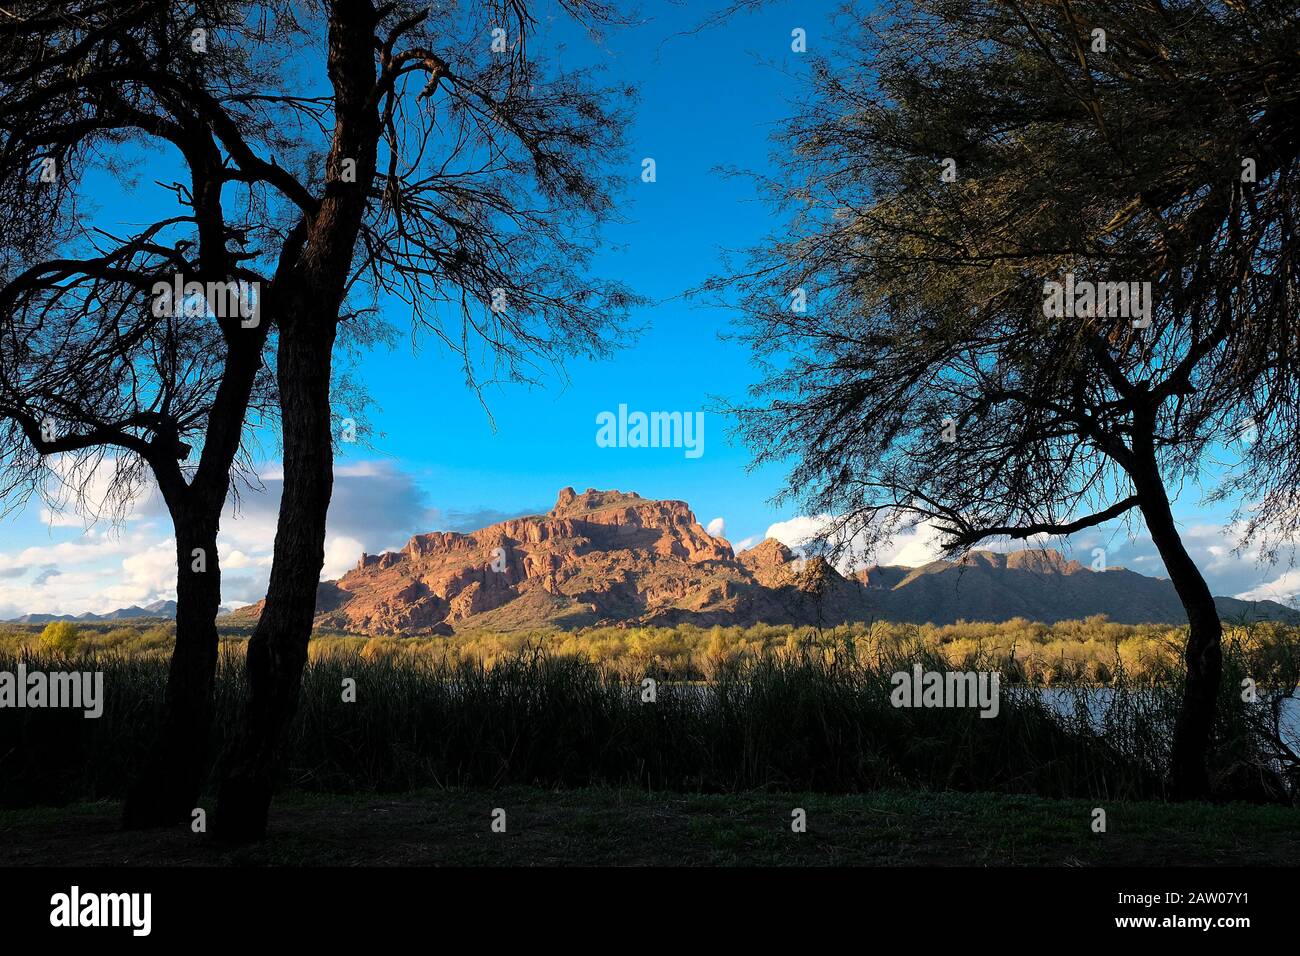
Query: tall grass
1066,652
813,717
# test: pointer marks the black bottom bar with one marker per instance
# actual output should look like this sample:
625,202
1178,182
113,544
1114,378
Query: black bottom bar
214,906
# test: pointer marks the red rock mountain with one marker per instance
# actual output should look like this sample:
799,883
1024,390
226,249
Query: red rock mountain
606,557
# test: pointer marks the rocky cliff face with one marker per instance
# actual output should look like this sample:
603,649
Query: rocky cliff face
606,557
595,556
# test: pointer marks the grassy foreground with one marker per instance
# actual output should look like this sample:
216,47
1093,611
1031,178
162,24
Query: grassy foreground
628,827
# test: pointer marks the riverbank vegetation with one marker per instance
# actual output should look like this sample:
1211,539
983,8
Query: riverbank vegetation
1094,650
765,709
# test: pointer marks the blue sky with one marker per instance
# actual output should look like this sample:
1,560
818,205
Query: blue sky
705,101
708,99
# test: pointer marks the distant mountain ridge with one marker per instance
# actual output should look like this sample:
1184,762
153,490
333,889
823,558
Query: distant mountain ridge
158,609
614,558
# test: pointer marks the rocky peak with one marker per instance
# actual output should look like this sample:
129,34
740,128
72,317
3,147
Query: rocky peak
1042,561
769,553
770,562
570,503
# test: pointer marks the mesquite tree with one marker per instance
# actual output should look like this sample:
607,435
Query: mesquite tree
458,174
379,156
1041,270
98,368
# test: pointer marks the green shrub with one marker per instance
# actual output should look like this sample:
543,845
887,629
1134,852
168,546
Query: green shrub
118,637
60,637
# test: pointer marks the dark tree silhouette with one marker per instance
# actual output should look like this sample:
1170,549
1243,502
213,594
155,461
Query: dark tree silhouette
462,176
377,155
960,156
381,154
95,372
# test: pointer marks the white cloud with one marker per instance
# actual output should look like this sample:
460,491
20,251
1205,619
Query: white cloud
103,570
914,547
93,548
152,571
62,519
1285,588
798,531
81,494
232,559
911,546
374,505
717,527
1230,565
341,555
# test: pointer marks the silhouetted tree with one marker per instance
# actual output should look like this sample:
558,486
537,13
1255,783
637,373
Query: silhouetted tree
97,372
959,157
382,154
462,176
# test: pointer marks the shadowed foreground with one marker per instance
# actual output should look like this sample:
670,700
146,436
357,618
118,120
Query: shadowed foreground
628,827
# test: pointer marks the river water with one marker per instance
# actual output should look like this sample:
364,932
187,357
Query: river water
1100,700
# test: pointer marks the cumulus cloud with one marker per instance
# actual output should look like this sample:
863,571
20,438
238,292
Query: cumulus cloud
375,506
1231,565
912,546
62,519
798,531
717,527
1285,589
82,494
81,581
150,573
341,554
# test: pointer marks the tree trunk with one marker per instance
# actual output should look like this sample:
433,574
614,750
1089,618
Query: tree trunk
277,650
1189,775
166,792
308,296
